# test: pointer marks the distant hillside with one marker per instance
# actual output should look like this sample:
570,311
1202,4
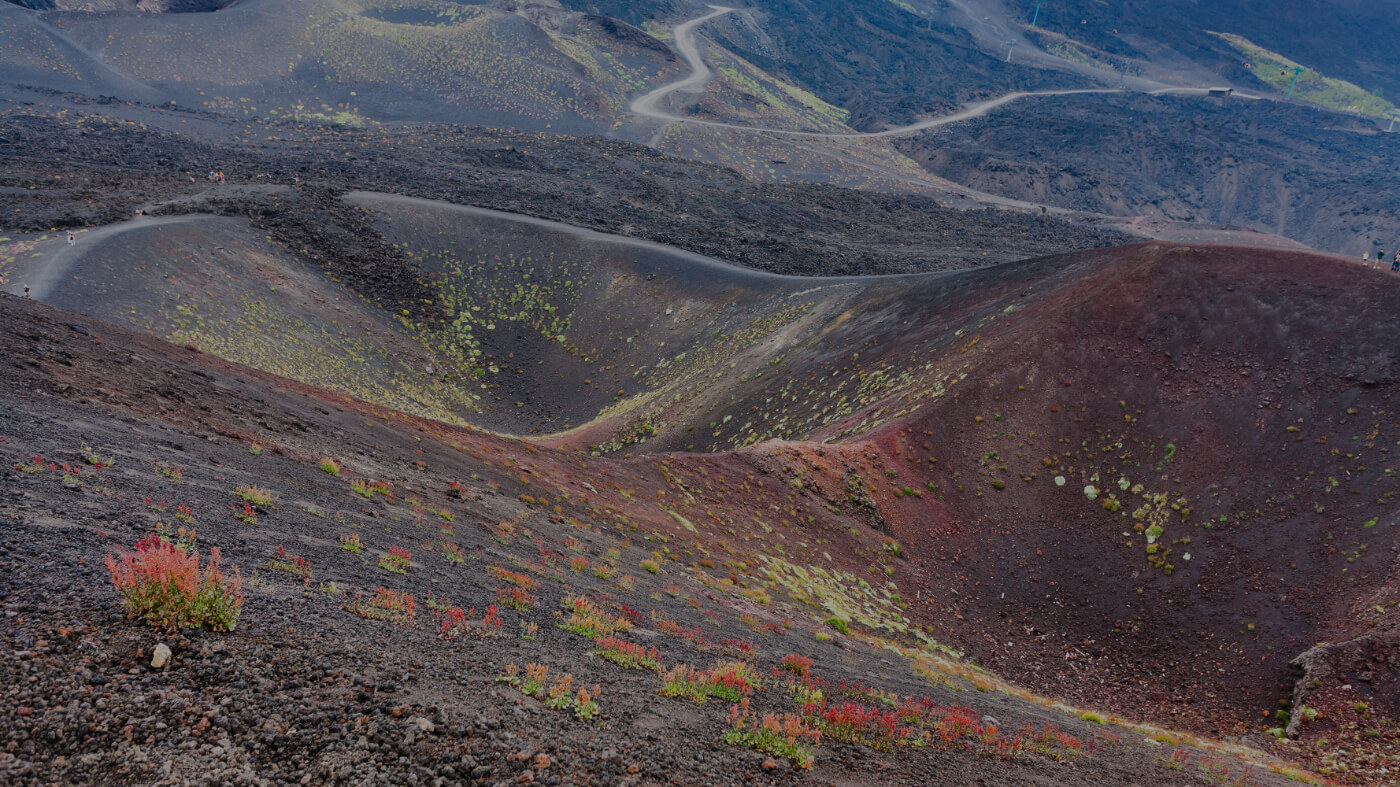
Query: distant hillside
891,61
1353,40
881,61
1321,178
350,62
1307,84
152,6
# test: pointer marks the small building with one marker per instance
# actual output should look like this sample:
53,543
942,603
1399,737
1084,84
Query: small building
1221,92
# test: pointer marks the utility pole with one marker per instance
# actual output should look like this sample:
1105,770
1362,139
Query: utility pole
1036,18
1296,71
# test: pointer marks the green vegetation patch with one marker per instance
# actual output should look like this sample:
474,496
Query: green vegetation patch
1313,86
842,595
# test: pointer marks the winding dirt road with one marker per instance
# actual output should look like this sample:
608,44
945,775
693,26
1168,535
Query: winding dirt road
650,105
43,272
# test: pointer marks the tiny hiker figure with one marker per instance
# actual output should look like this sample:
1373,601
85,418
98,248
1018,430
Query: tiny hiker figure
71,239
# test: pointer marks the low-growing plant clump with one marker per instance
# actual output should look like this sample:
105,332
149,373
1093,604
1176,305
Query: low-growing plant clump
514,577
797,665
590,620
560,695
453,622
246,515
627,654
256,495
392,606
518,599
396,560
787,735
296,564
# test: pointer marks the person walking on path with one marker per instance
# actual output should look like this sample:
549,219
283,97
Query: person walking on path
71,239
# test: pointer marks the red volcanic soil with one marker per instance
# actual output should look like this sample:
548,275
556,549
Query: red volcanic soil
1254,390
1241,400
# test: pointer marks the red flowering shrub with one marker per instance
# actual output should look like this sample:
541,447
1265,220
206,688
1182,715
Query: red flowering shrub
165,587
451,622
797,665
856,723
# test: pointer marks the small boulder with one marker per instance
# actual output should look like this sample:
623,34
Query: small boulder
161,656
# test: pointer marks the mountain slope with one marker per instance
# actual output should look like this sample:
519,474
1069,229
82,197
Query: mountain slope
359,61
880,61
148,6
1222,419
1315,176
1343,39
938,408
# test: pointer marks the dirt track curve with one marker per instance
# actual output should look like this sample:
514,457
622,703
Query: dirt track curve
649,104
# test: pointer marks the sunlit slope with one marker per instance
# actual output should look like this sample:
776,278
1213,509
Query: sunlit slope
556,324
356,61
218,285
532,328
33,52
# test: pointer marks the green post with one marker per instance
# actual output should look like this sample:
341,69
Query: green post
1036,18
1296,71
